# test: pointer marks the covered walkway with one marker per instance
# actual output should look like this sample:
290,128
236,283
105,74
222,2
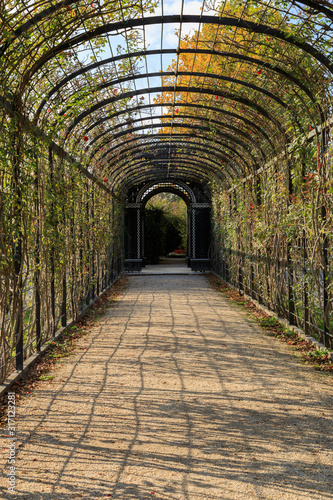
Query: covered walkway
228,105
104,104
175,395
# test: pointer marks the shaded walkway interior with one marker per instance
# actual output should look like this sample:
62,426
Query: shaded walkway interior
103,104
229,105
175,395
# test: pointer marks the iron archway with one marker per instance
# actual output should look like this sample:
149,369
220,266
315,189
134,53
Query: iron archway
197,199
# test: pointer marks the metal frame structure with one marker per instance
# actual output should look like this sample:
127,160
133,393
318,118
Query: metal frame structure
128,24
93,104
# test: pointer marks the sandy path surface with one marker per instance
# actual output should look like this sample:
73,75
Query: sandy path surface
176,395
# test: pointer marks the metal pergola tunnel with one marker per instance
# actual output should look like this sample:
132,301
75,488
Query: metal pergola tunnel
104,104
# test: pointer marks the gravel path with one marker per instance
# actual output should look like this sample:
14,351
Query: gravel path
176,395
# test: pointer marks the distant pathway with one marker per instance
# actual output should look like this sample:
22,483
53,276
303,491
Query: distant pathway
176,395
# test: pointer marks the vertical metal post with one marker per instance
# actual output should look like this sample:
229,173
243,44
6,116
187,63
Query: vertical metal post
19,315
81,269
305,289
229,265
97,274
240,269
325,275
38,317
252,279
88,243
251,265
19,338
52,290
306,308
19,305
138,233
193,229
189,241
290,267
64,278
240,278
325,239
64,302
74,292
255,290
259,294
37,261
18,245
93,263
291,303
268,261
110,262
52,265
222,262
142,236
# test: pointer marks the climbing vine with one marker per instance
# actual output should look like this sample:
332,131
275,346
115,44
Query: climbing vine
61,224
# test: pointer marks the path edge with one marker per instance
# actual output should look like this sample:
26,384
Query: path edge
17,375
283,322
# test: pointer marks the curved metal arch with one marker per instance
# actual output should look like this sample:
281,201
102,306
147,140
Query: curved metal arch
160,173
321,8
189,166
189,105
162,125
33,22
187,137
220,111
212,171
200,128
175,137
224,157
55,8
184,19
198,74
156,175
162,136
152,146
179,159
133,163
166,190
175,146
194,117
152,90
134,169
144,53
181,184
147,176
192,127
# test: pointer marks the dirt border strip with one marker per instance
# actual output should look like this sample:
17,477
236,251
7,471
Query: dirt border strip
28,363
283,324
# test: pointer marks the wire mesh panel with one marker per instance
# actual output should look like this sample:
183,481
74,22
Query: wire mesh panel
132,232
201,230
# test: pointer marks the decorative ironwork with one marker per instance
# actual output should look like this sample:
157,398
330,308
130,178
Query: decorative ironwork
153,187
198,218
